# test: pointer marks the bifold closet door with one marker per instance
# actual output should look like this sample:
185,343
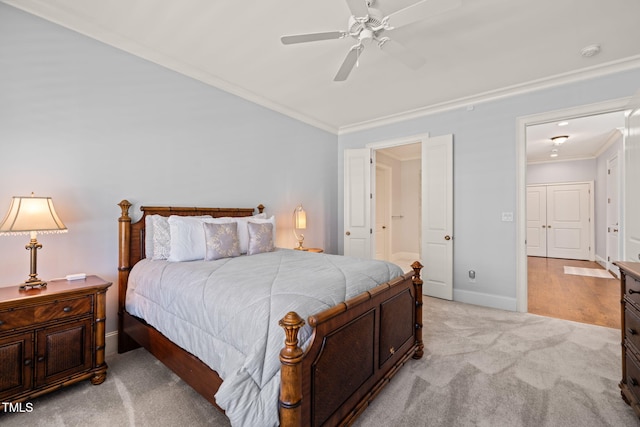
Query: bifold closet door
558,221
537,220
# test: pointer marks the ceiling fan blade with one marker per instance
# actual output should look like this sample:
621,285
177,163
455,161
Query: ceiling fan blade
358,8
401,53
422,10
304,38
348,64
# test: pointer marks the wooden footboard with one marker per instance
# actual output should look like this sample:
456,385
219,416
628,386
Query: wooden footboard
357,347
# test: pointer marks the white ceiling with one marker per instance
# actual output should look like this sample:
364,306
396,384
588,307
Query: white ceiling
588,137
478,51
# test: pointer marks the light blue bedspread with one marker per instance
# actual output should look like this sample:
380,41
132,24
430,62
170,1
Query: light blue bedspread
226,312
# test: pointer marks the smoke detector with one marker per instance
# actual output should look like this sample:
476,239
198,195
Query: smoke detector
589,51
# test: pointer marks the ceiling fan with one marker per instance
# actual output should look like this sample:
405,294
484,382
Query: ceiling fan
367,24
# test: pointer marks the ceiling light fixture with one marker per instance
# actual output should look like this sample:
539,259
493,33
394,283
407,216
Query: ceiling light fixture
557,140
563,123
553,155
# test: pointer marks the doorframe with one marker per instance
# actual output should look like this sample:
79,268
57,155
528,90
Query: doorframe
521,178
390,143
608,262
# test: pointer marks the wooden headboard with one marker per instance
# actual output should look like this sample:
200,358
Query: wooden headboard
131,237
135,239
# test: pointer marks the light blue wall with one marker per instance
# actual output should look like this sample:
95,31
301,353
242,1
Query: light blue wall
90,125
485,173
556,172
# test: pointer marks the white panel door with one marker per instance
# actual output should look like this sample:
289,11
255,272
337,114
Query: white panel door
437,216
537,220
568,221
631,224
382,197
357,202
613,214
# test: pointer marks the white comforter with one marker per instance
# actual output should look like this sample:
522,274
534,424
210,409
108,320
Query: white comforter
226,312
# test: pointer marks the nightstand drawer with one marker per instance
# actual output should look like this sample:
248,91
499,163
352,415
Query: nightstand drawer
55,310
632,289
632,327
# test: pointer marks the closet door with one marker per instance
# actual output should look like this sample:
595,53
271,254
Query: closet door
568,221
537,220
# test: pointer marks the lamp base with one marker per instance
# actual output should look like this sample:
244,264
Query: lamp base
30,284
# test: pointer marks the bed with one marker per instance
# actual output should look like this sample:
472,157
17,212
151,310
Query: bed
332,362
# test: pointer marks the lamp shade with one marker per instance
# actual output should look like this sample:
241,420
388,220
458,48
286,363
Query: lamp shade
300,218
29,213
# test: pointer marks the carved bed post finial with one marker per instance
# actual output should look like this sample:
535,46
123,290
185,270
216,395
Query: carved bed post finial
260,208
291,372
417,284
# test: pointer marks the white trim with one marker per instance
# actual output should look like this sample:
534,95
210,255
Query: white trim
388,143
521,179
111,343
485,300
505,92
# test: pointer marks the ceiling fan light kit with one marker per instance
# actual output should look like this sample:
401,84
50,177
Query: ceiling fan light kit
367,24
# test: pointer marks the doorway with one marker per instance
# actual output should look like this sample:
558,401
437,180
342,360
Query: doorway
591,166
398,195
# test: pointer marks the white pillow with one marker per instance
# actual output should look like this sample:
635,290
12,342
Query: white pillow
157,243
187,238
187,235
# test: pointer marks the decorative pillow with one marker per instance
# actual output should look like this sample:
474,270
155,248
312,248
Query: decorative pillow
260,237
187,238
271,220
221,240
161,237
243,234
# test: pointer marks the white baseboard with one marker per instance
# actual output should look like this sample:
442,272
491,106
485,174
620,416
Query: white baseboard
111,343
485,300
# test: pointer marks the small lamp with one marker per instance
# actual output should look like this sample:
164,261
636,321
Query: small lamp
30,215
299,223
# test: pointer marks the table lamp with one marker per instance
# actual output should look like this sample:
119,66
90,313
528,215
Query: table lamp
299,223
30,215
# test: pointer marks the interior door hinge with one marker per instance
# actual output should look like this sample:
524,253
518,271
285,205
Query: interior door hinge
371,195
370,160
371,231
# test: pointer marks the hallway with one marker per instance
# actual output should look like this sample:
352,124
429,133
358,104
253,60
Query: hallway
584,299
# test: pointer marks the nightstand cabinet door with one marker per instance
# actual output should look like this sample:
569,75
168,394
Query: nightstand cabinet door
16,361
63,350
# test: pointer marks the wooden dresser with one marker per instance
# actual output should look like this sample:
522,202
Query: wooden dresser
51,337
630,311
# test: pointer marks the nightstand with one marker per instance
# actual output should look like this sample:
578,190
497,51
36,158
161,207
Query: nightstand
317,250
51,337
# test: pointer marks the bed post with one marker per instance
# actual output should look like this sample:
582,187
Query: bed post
417,284
124,247
291,372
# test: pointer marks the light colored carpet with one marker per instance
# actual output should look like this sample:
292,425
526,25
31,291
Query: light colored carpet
482,367
590,272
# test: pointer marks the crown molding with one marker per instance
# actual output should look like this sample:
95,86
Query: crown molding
519,89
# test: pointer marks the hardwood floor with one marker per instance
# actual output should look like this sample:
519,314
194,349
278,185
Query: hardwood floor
583,299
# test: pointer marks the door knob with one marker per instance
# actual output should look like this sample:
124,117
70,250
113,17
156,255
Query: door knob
348,233
384,227
447,237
